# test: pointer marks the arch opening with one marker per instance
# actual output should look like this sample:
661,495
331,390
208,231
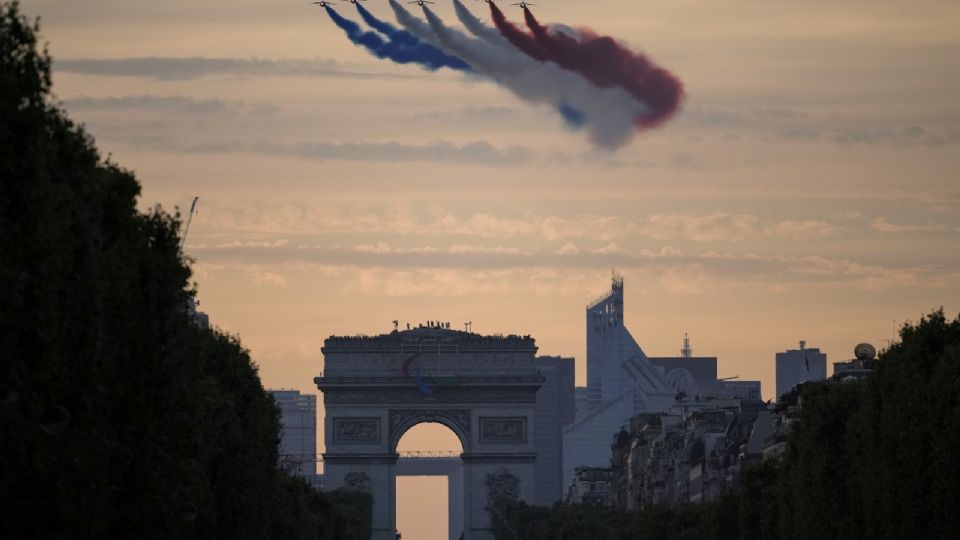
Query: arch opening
431,429
429,483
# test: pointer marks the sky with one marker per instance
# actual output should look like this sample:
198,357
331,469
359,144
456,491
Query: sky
807,189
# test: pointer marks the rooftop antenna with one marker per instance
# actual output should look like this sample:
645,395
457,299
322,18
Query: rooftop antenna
616,279
686,351
193,210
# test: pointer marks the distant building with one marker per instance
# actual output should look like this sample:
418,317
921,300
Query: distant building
691,453
197,317
298,438
863,364
799,365
591,485
555,410
622,381
696,377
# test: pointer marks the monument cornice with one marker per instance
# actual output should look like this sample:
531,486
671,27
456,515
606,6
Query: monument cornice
400,382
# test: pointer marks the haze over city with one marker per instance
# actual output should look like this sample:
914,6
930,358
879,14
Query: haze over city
805,190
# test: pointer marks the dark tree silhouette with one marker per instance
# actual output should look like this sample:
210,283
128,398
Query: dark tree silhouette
119,418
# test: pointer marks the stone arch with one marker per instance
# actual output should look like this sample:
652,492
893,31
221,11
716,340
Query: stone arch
456,420
370,401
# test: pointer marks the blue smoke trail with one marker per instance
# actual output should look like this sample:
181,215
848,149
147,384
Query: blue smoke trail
574,118
426,55
400,36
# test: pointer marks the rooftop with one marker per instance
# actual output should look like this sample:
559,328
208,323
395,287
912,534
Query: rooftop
432,335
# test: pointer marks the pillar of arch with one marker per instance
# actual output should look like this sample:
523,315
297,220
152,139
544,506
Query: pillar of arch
481,387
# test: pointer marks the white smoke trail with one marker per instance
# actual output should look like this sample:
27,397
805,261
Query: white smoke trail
610,112
476,26
413,25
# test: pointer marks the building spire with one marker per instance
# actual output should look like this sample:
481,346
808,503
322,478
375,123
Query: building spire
686,351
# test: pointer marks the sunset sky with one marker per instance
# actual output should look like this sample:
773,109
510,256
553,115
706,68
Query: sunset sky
808,188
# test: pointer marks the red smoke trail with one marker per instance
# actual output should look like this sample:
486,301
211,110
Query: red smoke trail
518,37
602,61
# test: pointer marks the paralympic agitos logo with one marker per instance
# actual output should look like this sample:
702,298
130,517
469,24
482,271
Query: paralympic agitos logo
426,384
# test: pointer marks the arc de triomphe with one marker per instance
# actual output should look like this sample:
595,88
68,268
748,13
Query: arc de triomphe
481,387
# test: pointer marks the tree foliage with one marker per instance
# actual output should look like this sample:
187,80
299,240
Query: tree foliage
878,459
118,416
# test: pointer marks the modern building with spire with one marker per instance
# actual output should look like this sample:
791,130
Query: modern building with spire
622,381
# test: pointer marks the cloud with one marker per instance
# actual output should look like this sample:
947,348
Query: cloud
470,113
475,152
269,278
241,244
458,248
900,136
882,225
777,124
801,230
673,269
166,104
381,247
719,226
291,218
849,215
447,282
172,68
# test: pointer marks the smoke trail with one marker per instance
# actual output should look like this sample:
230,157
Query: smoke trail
520,39
607,113
387,29
574,118
476,26
483,61
413,25
602,61
424,54
607,63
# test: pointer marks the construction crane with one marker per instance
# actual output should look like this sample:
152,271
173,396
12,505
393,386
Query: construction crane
193,210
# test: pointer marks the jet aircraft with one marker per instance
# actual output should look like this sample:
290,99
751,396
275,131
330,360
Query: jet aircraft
524,4
421,3
323,3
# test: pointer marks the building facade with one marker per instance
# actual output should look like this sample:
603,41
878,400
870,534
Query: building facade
795,366
298,436
555,410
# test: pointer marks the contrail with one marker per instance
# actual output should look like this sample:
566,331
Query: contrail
607,113
423,54
603,61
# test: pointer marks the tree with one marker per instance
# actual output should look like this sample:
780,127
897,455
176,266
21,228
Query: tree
118,416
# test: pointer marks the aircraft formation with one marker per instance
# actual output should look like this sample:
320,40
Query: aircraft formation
595,82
